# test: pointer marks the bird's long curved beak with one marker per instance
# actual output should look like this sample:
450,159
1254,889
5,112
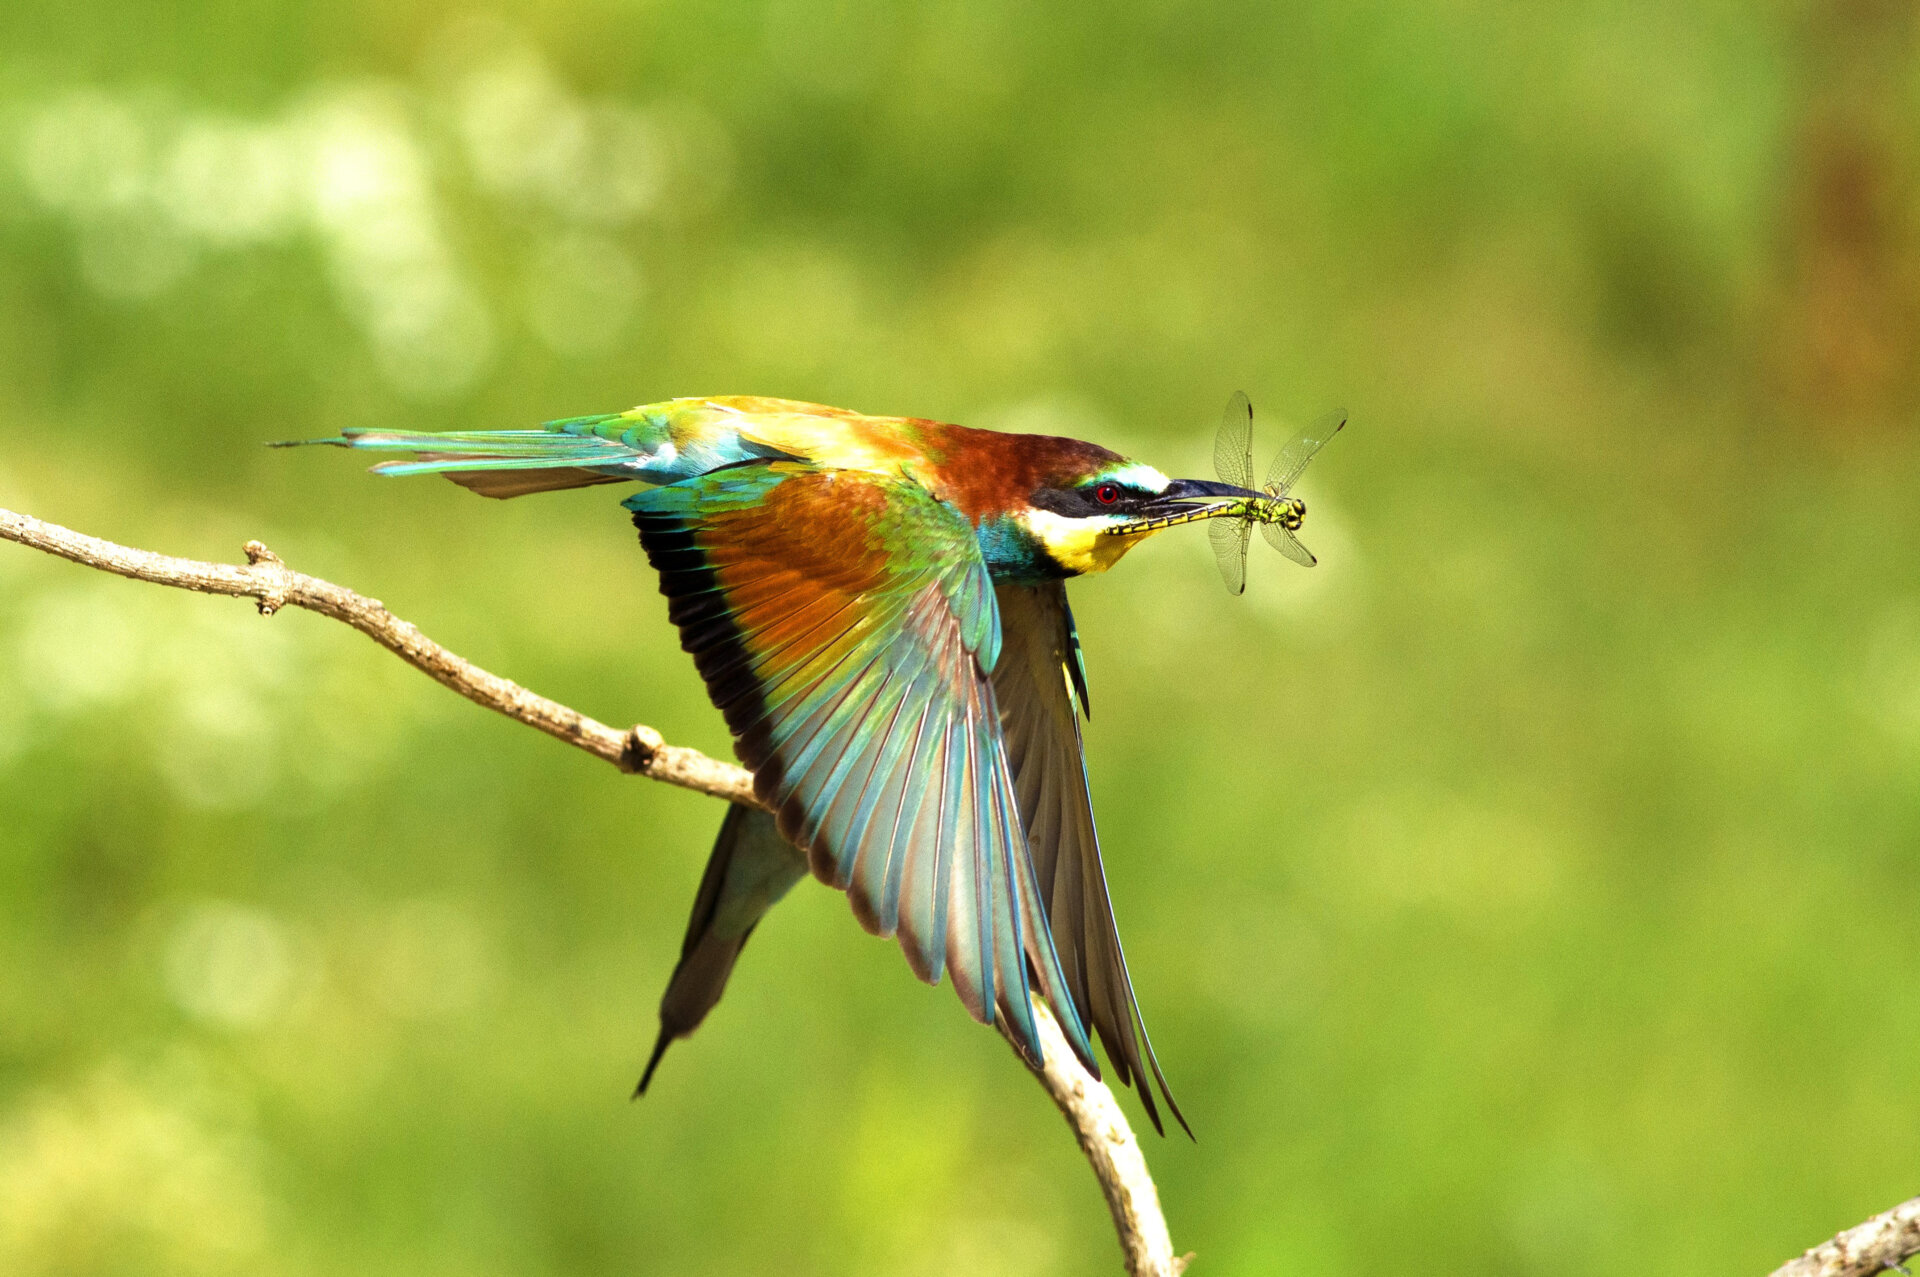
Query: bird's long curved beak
1183,490
1187,500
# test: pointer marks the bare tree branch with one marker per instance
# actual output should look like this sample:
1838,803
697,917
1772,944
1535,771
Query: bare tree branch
1884,1242
1110,1145
1089,1106
274,585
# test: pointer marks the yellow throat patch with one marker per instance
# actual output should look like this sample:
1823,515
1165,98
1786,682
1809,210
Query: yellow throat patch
1079,545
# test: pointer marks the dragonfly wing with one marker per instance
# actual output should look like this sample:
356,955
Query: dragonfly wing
1229,537
1044,749
1283,540
844,624
1294,457
1233,446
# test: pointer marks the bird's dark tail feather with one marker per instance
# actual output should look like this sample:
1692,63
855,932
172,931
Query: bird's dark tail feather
660,1046
751,867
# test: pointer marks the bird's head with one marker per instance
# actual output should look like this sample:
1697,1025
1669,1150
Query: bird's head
1086,507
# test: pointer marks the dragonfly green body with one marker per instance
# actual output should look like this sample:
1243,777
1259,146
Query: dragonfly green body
1288,512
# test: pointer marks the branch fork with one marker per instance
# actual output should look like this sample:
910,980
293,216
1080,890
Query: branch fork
275,595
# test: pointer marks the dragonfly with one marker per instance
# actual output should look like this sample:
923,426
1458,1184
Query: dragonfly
1280,514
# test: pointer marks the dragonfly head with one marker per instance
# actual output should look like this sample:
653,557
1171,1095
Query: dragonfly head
1289,512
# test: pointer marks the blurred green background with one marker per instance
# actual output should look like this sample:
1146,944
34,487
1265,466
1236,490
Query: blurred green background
1527,889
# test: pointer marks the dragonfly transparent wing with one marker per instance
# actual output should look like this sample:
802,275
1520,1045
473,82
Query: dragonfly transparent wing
1233,446
1294,457
1229,537
1288,544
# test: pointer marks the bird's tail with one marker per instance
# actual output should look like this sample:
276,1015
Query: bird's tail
572,453
752,866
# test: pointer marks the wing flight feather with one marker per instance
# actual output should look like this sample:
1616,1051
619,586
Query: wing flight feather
1031,681
844,624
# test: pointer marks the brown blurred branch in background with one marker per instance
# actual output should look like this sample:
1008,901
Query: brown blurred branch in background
1089,1106
1848,312
1883,1243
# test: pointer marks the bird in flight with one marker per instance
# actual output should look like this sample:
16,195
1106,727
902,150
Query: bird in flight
878,608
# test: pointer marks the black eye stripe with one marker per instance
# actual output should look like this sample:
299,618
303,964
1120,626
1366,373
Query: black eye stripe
1100,498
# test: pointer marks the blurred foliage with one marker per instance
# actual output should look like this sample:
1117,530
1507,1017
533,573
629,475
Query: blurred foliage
1527,889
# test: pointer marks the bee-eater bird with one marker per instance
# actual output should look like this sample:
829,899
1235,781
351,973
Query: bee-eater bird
877,606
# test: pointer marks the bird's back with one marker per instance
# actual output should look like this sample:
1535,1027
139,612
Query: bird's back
979,472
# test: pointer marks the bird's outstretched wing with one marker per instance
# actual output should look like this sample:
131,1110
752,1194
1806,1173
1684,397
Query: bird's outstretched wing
1040,653
844,623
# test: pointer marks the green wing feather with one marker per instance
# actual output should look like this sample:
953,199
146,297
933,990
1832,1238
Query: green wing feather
1039,660
570,453
844,623
653,443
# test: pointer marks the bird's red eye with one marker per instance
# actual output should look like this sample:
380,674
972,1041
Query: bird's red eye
1107,493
